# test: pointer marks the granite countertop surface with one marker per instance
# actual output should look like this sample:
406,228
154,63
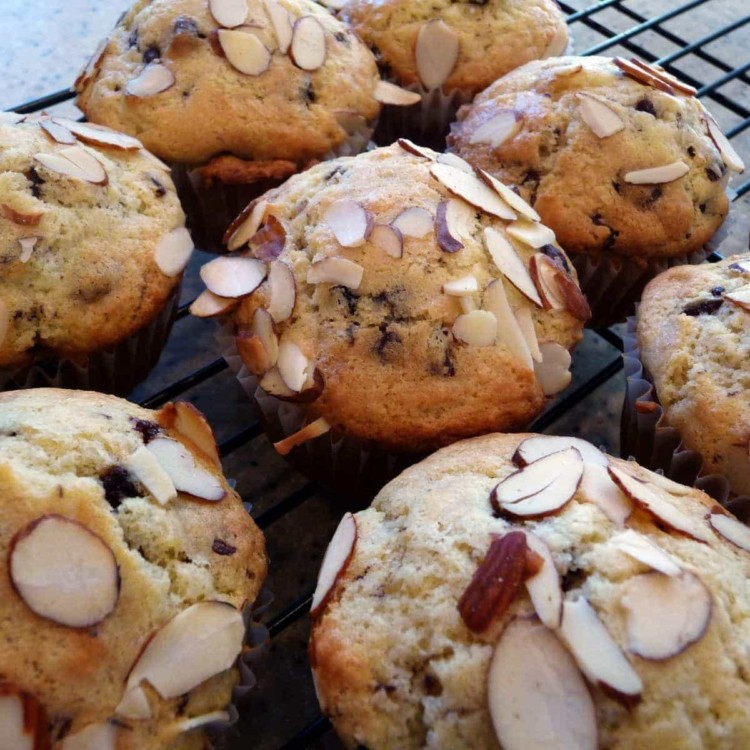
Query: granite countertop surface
45,43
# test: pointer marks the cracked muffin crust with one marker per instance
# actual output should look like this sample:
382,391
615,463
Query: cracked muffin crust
193,89
73,463
593,189
367,293
693,331
92,239
399,658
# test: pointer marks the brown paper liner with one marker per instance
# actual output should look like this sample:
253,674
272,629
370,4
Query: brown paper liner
646,435
116,369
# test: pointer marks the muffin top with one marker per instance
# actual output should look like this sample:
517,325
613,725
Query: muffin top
386,292
694,337
617,157
126,553
605,608
266,80
464,46
92,237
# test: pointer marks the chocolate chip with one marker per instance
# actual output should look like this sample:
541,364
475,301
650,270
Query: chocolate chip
552,252
712,176
186,25
349,298
616,186
691,151
133,38
36,182
182,704
148,430
702,208
94,293
220,547
574,578
717,291
432,686
596,219
151,54
703,307
340,36
160,190
389,343
656,193
117,485
645,105
308,92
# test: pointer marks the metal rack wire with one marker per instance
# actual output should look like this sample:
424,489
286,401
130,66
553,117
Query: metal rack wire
285,503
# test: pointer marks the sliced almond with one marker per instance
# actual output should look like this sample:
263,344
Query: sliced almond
201,641
244,51
233,277
273,384
335,561
20,218
189,423
742,266
537,698
98,135
454,160
468,303
57,132
173,252
315,429
597,654
269,241
599,115
74,162
308,48
282,291
101,736
389,93
293,366
196,722
252,352
498,129
539,446
731,529
728,153
472,189
281,20
144,466
134,705
557,290
228,13
665,614
667,78
598,487
553,372
446,231
740,297
64,572
508,331
27,248
412,148
23,724
186,474
642,75
658,175
510,263
349,221
436,53
461,287
525,323
334,270
153,79
651,500
245,225
414,222
641,548
531,233
558,42
388,239
207,305
476,328
263,329
515,201
544,587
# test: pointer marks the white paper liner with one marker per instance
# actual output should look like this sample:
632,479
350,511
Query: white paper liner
116,369
646,435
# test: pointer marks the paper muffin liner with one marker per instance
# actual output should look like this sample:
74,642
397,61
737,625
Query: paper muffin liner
211,207
352,471
117,369
646,435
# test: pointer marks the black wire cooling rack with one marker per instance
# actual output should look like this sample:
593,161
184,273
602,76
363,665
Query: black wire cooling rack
696,40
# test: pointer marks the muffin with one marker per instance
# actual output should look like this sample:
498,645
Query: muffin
449,52
235,96
126,553
93,247
619,159
399,299
688,368
524,592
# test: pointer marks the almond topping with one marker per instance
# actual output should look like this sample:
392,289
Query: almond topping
245,225
599,115
308,49
436,53
293,366
509,262
350,222
497,129
333,270
658,175
461,287
98,135
153,79
282,21
23,220
413,222
412,148
731,158
389,93
233,277
173,252
508,331
74,162
553,372
731,529
388,239
27,247
449,218
228,13
338,555
473,190
57,132
245,52
281,290
269,241
309,432
476,328
515,201
208,305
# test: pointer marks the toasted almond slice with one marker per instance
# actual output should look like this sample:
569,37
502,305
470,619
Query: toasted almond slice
599,115
308,49
309,432
269,241
650,500
282,291
246,224
196,722
531,233
74,162
566,71
436,53
388,239
731,158
544,272
349,221
731,529
338,555
293,366
448,217
98,135
414,222
498,129
740,297
208,305
184,471
134,705
509,262
27,247
476,328
389,93
145,467
351,122
263,329
233,277
468,303
334,270
454,160
658,175
539,446
252,352
22,219
153,79
665,614
245,52
558,42
461,287
642,75
544,587
282,21
645,551
598,487
553,372
201,641
537,698
597,654
508,331
189,423
667,78
412,148
57,131
515,201
173,252
101,736
228,13
64,572
525,322
273,384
